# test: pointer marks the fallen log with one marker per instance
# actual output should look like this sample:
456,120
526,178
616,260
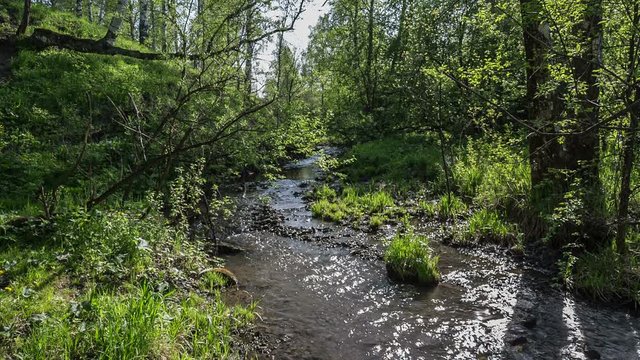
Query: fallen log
43,38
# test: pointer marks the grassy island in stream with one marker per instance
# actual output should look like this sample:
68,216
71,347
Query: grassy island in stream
409,259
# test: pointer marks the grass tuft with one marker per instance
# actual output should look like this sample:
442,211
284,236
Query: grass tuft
409,259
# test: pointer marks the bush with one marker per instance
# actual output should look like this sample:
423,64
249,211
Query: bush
603,276
409,259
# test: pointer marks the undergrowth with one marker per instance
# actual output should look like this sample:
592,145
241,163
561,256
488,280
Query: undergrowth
109,285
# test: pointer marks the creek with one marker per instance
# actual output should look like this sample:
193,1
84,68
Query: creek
323,293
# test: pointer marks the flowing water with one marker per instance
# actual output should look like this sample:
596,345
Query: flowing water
331,298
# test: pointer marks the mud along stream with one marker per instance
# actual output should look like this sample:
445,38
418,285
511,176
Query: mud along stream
324,294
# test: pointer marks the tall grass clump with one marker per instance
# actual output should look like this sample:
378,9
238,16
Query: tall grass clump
487,226
450,206
353,203
409,259
494,172
603,276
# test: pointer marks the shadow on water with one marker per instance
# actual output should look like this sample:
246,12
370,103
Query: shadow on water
320,301
549,324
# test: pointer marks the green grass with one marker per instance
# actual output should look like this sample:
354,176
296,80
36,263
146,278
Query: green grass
107,285
428,208
494,172
402,160
604,276
487,226
450,206
353,204
409,259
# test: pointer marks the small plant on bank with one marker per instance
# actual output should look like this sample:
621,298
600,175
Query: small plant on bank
428,208
376,221
450,206
487,226
212,281
409,259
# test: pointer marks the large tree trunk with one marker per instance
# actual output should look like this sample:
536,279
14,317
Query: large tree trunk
583,149
543,109
630,138
115,24
143,25
26,14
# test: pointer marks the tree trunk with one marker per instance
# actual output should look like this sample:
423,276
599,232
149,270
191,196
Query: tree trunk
26,14
143,25
90,10
583,149
78,8
542,108
154,25
115,24
399,38
102,11
132,21
630,138
164,26
369,78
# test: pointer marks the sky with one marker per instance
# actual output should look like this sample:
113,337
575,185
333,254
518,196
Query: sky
298,39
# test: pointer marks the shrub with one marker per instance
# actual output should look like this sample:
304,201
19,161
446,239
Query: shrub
409,259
